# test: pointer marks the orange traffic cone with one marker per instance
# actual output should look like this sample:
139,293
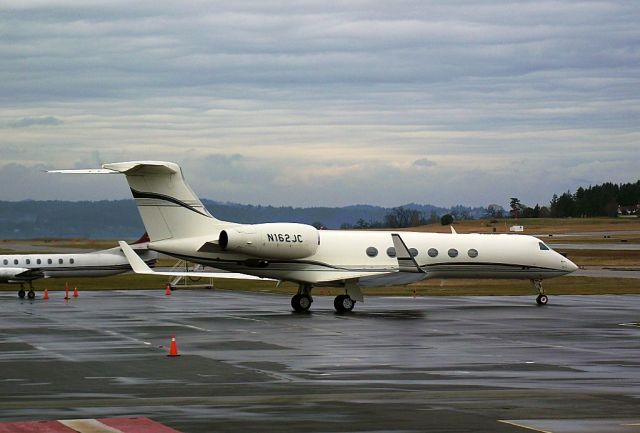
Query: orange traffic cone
45,295
75,292
66,291
173,348
167,291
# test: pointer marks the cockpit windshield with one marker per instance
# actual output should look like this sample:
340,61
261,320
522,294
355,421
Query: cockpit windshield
544,247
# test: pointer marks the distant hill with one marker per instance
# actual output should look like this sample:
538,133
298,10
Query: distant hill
63,219
109,219
330,217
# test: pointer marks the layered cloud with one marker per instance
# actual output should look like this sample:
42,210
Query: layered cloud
325,103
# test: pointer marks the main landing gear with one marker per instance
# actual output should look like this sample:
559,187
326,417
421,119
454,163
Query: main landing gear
301,301
30,294
542,298
343,303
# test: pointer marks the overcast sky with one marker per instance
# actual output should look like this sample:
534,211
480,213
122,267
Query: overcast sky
312,103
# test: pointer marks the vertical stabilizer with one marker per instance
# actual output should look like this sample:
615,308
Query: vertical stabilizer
167,205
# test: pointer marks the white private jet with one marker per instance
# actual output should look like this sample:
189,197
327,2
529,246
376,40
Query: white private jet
179,225
25,268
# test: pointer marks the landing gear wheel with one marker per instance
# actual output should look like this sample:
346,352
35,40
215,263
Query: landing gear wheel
542,299
300,303
31,294
343,303
21,293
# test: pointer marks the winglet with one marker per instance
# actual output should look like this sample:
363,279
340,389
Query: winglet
453,231
406,261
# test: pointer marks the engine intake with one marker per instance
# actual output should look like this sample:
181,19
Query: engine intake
271,240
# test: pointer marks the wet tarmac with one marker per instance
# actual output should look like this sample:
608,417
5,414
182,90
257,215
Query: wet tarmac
606,272
598,234
437,364
596,246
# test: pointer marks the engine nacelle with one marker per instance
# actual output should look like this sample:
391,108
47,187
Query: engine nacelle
272,240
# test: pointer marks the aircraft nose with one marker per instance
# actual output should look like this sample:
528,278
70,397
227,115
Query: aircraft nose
569,265
573,266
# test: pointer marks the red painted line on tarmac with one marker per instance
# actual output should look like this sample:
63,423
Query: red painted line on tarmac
126,425
137,425
34,427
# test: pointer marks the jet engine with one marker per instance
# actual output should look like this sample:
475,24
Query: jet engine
272,240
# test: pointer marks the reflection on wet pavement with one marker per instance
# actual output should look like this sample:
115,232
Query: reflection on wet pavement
248,363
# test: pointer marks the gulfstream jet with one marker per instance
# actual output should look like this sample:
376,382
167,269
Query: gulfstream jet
179,225
26,268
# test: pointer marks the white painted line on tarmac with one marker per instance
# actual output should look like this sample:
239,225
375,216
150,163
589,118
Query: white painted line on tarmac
523,426
632,324
197,328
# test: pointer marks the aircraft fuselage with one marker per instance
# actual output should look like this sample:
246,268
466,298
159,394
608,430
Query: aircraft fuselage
370,256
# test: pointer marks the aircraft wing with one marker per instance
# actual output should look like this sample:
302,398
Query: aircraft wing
140,267
20,274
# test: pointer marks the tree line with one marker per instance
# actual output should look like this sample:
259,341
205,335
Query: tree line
399,217
595,201
403,217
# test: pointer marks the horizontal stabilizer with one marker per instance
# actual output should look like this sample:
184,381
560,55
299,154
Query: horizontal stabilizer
132,167
406,261
140,267
85,171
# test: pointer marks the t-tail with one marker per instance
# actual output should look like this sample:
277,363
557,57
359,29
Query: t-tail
168,206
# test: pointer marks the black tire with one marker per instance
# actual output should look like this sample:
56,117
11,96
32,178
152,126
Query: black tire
343,303
295,303
300,303
542,299
31,294
21,293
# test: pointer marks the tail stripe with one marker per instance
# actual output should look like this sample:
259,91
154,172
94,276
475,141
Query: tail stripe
162,197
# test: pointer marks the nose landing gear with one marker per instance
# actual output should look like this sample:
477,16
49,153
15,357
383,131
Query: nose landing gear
542,298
